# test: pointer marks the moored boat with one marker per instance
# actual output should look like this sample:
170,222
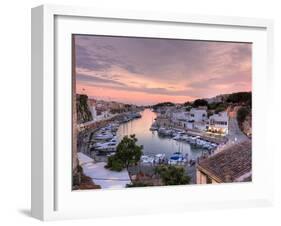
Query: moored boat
177,159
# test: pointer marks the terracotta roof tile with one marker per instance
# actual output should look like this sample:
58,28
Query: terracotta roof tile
230,164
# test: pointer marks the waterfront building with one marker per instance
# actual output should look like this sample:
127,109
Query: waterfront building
99,115
102,110
180,115
188,125
163,121
218,123
196,118
180,119
230,165
202,126
116,108
198,115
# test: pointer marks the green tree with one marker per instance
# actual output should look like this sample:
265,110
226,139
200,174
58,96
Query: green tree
188,108
187,103
241,97
128,153
199,102
212,106
218,107
114,164
242,113
172,175
163,104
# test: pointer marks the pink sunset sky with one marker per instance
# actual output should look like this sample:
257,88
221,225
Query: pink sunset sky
146,71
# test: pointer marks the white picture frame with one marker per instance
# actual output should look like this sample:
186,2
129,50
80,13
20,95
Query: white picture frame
52,197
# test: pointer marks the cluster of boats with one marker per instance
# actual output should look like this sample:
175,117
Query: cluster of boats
105,140
183,136
177,158
196,141
155,159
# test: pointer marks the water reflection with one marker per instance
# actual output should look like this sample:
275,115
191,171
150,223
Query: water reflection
152,143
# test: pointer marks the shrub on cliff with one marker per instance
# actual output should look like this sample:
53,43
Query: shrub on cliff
199,102
240,97
242,113
172,175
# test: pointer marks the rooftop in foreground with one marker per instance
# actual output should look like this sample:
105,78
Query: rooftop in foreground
230,165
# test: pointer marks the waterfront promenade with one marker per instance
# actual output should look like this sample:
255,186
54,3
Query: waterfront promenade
102,176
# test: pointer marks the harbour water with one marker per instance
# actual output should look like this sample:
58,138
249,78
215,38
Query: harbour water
152,143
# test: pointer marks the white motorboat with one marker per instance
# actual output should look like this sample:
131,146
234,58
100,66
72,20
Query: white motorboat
109,146
153,128
147,159
136,115
177,137
104,136
165,132
159,157
192,140
185,138
113,140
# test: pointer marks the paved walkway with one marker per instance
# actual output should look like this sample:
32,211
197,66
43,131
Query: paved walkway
102,176
234,133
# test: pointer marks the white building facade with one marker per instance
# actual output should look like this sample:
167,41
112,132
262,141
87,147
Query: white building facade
197,118
193,119
218,123
104,115
198,115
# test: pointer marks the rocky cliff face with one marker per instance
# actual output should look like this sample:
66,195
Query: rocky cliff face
75,174
81,114
83,109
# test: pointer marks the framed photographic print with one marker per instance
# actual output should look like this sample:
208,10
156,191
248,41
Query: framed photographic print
138,112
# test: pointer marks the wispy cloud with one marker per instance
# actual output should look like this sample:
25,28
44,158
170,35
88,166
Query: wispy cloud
182,68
